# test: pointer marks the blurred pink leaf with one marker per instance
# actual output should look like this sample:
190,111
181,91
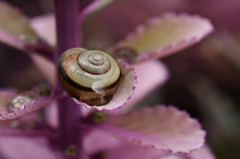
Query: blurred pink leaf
145,84
14,105
163,128
202,153
25,147
94,7
164,35
46,67
45,27
128,151
15,29
98,142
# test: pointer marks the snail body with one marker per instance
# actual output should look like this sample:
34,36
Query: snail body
91,76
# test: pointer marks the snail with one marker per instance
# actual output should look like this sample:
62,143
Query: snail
91,76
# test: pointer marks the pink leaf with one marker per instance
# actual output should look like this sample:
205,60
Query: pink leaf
145,85
46,67
16,31
24,148
14,105
165,35
45,27
112,148
94,7
14,24
98,140
163,128
201,153
128,151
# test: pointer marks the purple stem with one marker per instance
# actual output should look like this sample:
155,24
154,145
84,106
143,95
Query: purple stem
67,25
68,36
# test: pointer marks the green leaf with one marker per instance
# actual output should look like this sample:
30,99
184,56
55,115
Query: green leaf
15,27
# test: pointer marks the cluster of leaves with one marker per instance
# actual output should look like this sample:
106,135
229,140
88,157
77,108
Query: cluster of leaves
157,132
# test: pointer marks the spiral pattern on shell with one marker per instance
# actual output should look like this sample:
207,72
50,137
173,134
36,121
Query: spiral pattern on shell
94,62
89,75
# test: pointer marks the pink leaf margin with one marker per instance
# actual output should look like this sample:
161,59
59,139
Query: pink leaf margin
138,139
34,105
145,84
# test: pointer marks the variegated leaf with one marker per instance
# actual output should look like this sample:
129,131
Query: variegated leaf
165,35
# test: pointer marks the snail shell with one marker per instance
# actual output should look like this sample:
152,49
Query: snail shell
91,76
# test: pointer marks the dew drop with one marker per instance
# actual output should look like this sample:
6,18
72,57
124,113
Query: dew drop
19,101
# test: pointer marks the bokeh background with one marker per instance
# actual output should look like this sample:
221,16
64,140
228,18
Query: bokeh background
204,79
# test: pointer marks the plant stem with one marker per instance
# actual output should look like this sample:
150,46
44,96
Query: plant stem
67,25
68,36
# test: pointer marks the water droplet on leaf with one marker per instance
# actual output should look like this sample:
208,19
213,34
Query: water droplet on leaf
19,101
